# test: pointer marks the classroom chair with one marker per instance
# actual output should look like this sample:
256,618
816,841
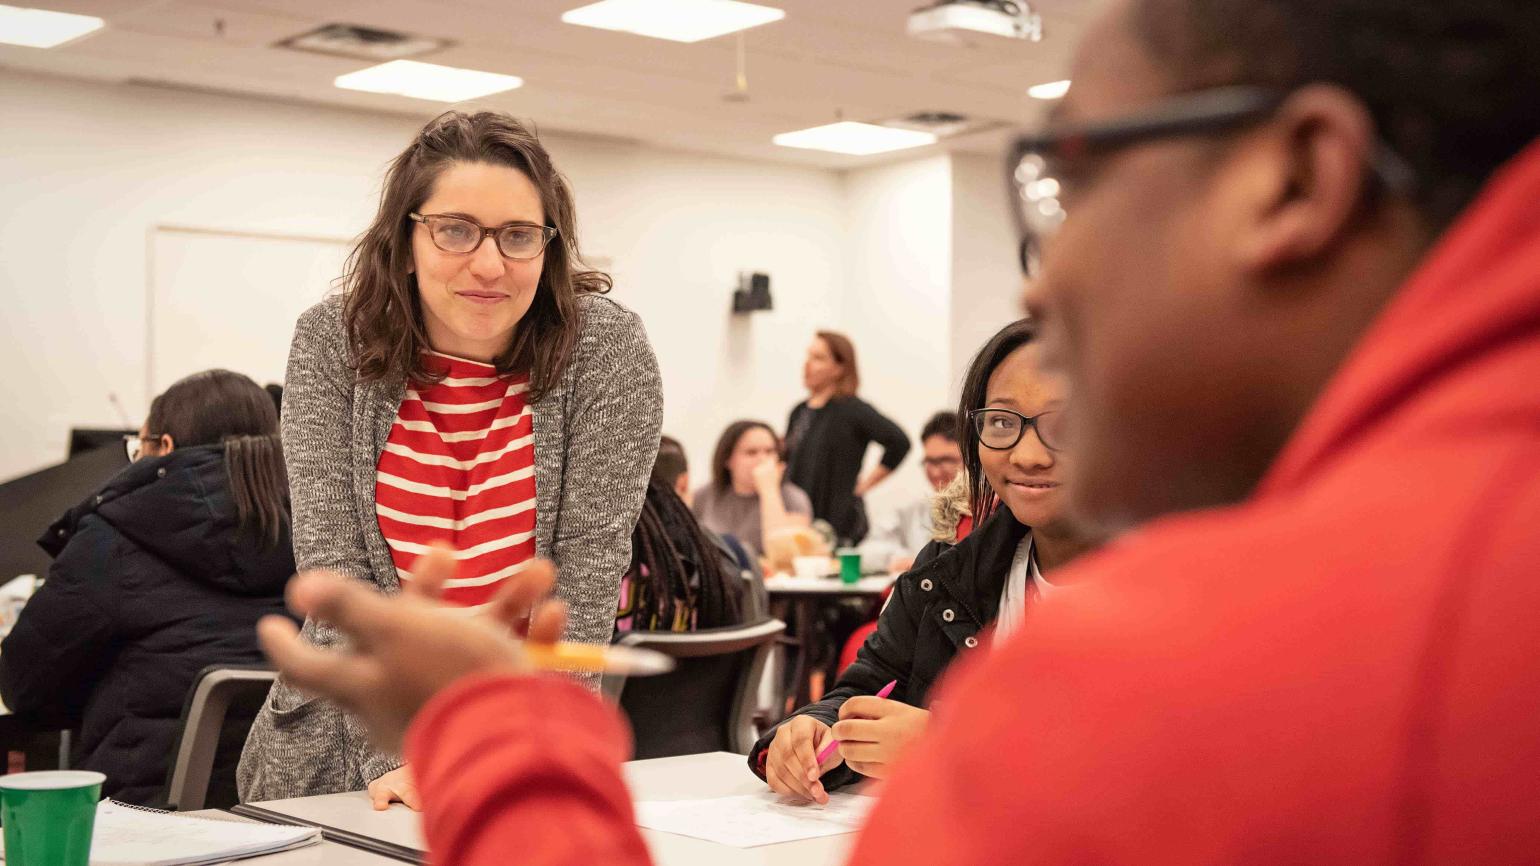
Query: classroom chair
216,717
707,703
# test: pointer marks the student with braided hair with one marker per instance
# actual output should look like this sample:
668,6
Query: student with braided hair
682,577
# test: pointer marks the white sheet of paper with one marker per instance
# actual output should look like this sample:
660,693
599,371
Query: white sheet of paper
751,820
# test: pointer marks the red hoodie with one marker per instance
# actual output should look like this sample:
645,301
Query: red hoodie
1343,669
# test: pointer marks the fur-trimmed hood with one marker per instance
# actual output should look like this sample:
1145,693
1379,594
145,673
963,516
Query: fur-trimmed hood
948,507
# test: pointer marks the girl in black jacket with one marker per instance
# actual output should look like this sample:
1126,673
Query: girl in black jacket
164,571
1010,430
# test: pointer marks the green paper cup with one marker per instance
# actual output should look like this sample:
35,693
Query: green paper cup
850,564
49,816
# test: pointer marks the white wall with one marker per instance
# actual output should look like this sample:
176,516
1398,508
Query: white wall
89,169
985,273
897,299
679,228
885,254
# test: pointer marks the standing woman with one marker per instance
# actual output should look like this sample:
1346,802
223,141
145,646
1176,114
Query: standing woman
828,434
470,385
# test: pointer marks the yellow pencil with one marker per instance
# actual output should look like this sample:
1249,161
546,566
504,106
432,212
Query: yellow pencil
596,658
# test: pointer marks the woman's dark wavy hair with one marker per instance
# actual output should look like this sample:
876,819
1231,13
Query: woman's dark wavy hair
382,313
678,580
218,407
981,497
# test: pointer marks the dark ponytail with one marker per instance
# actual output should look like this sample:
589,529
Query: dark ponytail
259,484
220,407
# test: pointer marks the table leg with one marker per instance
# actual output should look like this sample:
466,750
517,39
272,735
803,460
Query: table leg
807,654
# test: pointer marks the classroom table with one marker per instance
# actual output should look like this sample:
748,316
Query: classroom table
326,853
804,595
687,777
348,819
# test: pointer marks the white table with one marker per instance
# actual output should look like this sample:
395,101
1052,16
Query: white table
786,584
804,595
688,777
325,853
718,774
349,818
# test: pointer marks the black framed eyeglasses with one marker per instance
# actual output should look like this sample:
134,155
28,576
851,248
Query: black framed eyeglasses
1002,429
1035,167
133,444
518,241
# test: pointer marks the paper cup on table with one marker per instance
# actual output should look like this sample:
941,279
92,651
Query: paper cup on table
49,816
810,566
850,564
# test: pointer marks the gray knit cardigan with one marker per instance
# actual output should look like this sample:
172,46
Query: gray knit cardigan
596,436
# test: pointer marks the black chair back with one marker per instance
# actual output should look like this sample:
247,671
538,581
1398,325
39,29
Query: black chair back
707,703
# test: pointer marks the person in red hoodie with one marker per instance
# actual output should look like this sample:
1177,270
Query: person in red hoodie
1297,296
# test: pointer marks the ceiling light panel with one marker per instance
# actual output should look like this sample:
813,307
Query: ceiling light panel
428,81
675,20
856,139
42,28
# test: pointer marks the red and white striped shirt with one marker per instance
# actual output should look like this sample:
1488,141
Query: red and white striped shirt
459,466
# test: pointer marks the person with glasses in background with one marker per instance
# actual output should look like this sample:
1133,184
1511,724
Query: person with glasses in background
1296,297
161,573
898,537
954,599
470,386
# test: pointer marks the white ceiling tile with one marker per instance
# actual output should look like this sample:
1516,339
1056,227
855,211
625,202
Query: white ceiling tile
827,57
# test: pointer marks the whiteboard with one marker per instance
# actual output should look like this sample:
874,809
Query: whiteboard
230,299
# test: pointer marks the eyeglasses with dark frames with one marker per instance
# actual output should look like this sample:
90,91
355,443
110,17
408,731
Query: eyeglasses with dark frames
1003,429
1034,176
518,241
133,444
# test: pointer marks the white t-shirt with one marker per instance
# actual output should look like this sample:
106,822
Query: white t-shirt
1023,583
1013,598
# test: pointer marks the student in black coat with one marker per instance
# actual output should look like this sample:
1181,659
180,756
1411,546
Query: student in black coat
954,597
162,572
827,436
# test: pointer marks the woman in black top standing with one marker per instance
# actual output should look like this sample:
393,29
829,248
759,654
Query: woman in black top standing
828,434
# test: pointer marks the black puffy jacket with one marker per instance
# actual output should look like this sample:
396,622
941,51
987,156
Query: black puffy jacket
936,611
151,582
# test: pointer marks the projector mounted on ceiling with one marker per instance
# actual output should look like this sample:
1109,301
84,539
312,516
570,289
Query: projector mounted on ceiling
968,22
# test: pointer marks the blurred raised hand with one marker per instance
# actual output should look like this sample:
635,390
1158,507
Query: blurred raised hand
404,649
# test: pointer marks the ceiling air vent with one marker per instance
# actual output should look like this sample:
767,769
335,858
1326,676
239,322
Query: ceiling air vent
942,124
362,43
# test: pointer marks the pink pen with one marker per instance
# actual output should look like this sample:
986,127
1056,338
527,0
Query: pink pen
835,744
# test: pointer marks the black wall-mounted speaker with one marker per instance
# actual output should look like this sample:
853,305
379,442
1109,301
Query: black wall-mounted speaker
752,294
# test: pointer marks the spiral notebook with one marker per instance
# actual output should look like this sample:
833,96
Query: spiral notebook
135,836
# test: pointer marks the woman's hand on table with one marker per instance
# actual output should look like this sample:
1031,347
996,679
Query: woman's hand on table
791,764
397,786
